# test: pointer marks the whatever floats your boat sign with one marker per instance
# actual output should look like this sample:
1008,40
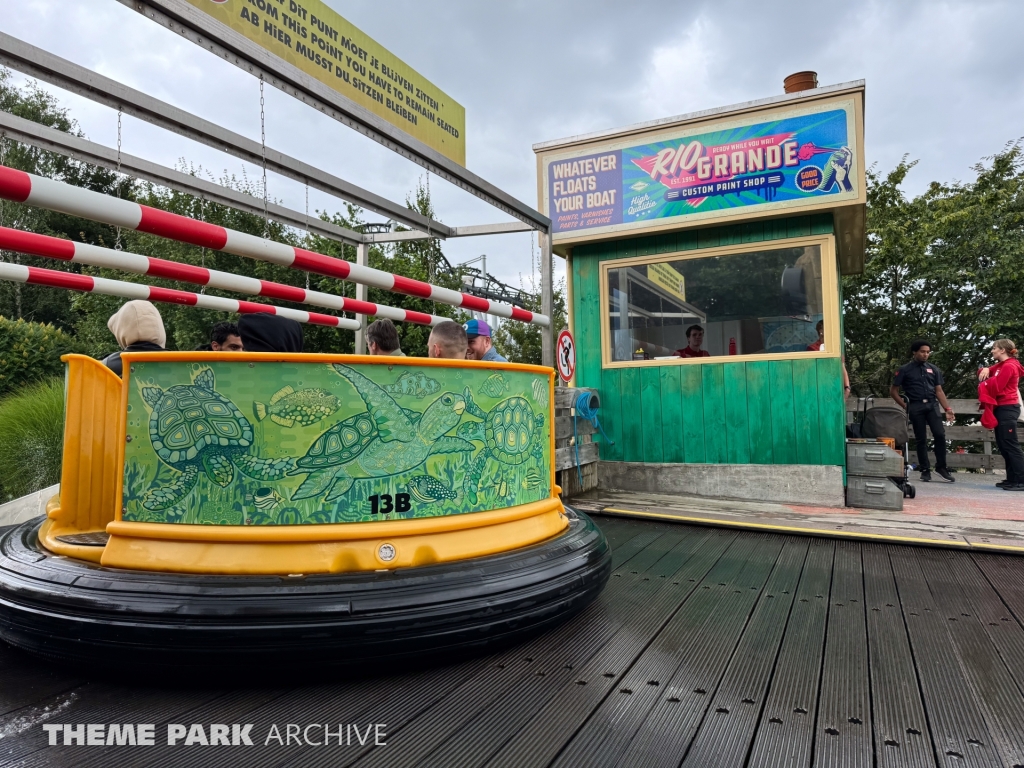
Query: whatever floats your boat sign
312,37
805,156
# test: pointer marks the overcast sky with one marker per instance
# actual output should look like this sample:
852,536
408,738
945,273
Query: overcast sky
945,83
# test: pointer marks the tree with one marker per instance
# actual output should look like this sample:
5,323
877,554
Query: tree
947,266
85,315
521,342
416,259
39,303
186,327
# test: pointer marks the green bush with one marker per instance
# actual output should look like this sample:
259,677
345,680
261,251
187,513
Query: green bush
31,438
31,352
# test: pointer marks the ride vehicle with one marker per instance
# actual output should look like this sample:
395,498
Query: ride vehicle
223,508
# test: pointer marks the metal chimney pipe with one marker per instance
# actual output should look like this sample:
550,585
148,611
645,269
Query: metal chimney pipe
800,81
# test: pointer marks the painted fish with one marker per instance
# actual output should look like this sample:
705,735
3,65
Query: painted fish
288,407
540,392
413,383
427,489
494,386
265,499
532,479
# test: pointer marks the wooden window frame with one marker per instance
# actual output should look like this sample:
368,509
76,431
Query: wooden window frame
829,300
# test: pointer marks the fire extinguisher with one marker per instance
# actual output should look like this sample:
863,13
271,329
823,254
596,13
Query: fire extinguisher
732,345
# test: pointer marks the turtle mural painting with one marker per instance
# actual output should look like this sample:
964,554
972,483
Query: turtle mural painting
192,427
512,434
385,441
373,442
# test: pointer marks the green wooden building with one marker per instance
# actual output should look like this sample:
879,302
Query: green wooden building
704,255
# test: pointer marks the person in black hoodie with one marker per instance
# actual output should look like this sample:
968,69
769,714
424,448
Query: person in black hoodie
138,327
264,332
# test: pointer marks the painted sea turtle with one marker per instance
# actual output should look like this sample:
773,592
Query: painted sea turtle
511,433
193,427
385,440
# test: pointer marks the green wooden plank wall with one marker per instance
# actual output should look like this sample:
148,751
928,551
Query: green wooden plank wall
761,412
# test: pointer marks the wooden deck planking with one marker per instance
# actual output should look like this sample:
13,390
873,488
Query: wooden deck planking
785,736
726,736
901,733
843,732
698,630
708,647
553,726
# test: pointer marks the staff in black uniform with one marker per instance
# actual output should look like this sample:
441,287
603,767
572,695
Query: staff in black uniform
922,382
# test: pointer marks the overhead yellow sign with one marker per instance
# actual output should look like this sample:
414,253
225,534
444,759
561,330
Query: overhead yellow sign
668,278
322,44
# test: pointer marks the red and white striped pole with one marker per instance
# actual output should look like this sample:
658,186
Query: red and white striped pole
70,281
53,195
93,255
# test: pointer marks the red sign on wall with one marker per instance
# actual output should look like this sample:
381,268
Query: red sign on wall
565,356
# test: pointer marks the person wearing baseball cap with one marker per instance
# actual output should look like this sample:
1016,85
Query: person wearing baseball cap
480,347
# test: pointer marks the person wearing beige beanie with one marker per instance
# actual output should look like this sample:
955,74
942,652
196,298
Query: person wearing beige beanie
138,327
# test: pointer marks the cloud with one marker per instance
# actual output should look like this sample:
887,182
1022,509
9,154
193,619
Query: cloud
681,75
945,82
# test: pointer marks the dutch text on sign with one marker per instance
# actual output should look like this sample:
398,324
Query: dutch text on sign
312,37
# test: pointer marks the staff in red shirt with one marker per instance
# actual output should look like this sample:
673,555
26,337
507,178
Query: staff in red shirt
999,392
694,338
819,344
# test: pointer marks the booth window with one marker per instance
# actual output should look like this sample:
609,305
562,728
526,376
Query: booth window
749,303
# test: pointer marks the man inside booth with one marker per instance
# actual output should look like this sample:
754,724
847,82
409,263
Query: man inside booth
818,345
695,340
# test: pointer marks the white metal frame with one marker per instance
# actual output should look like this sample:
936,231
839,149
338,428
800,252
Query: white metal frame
192,24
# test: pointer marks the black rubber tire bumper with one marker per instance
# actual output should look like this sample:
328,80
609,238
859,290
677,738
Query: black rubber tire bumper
79,612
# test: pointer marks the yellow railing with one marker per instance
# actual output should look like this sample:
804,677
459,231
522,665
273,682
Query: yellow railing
91,467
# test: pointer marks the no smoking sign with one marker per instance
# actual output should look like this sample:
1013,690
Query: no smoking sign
565,356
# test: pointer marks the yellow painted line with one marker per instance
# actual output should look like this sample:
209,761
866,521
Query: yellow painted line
883,537
998,547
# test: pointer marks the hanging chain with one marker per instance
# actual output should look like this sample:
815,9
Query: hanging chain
3,161
308,234
430,250
430,203
533,259
117,240
263,147
202,217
